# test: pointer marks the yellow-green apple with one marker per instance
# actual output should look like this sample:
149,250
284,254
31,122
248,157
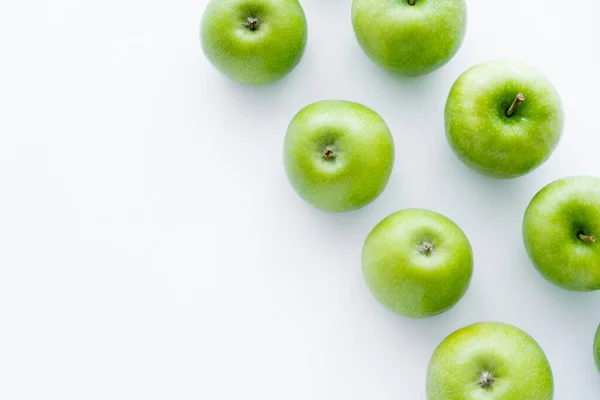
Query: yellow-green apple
410,37
417,263
489,361
254,42
338,155
503,118
561,232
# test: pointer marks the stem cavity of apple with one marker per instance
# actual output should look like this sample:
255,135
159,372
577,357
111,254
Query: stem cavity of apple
412,2
486,380
586,238
329,154
252,23
518,100
426,248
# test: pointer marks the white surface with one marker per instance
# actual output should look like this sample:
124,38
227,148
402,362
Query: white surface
151,247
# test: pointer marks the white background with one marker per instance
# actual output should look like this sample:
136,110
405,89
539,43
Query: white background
151,247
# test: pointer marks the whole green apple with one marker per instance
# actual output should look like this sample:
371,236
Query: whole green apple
410,37
254,42
489,361
417,263
503,118
560,227
338,155
597,348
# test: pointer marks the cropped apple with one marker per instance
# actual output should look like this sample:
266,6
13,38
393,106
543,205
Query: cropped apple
338,155
597,348
560,227
503,118
410,37
491,361
417,263
254,42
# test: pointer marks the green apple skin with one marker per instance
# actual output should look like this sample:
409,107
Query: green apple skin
489,361
417,263
489,141
338,155
410,40
597,348
552,224
256,56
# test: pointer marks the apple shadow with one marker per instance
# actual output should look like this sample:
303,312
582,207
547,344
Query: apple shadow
554,297
409,92
422,333
488,191
343,224
257,106
257,99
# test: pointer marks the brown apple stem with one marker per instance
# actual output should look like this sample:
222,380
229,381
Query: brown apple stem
586,238
328,154
412,2
513,107
252,23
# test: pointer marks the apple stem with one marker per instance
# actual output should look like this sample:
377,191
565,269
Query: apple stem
486,380
513,107
328,154
412,2
586,238
252,23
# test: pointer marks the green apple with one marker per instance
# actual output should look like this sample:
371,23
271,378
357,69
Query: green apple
417,263
597,348
338,155
560,227
254,42
489,361
503,118
410,37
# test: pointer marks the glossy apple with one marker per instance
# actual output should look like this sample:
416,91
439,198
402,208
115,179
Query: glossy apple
254,42
560,228
338,155
503,118
410,37
489,361
417,263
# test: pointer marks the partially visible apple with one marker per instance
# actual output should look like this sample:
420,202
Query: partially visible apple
597,348
410,37
254,42
489,361
503,118
560,228
417,263
338,155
